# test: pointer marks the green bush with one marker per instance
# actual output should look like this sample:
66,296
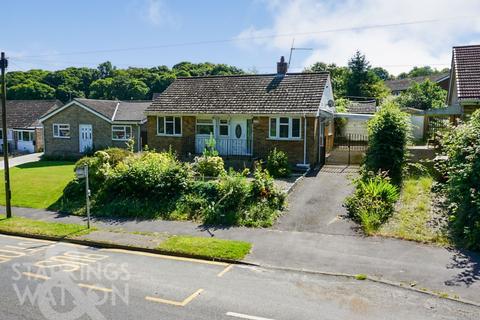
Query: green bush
462,180
388,133
211,166
373,201
158,176
233,192
117,155
277,164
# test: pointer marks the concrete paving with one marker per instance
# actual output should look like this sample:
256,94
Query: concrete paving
450,271
16,161
316,205
49,280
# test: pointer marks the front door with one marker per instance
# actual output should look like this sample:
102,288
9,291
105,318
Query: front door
86,137
238,136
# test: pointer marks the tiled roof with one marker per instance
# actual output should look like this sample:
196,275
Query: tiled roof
243,94
116,109
404,84
132,110
104,107
466,62
25,113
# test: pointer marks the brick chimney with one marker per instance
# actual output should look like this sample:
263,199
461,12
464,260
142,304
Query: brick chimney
282,66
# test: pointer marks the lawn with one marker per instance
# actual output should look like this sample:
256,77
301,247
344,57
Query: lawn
34,227
38,184
207,247
414,218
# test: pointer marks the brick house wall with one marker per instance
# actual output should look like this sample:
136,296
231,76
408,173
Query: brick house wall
262,144
74,116
183,144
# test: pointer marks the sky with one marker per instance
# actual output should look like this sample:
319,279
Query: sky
250,34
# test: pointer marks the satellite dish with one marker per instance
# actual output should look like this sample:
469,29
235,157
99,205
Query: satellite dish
331,104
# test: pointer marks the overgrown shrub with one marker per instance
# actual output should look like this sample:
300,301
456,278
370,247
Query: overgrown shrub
277,164
373,201
462,180
263,188
158,176
211,166
388,133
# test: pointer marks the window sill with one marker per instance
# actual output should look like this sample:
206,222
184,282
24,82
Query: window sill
169,135
121,139
61,137
285,139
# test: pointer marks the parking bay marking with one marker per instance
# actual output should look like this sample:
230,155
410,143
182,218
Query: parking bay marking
176,303
245,316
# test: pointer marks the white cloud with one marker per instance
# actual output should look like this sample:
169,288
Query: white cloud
397,48
157,13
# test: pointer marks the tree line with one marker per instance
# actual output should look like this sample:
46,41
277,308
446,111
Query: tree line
106,81
357,80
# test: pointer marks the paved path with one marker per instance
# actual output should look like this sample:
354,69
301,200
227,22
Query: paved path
16,161
316,204
116,284
452,271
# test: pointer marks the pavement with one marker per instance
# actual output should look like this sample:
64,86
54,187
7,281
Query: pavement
51,280
451,271
316,205
16,161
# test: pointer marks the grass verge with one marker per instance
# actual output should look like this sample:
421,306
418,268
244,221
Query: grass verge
42,228
414,218
207,247
38,184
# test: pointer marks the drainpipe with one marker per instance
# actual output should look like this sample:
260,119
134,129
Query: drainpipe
305,140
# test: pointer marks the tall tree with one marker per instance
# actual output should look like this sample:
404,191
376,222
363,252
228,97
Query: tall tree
338,75
362,81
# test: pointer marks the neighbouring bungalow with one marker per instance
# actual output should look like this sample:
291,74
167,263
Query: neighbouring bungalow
398,86
248,115
24,130
85,125
464,91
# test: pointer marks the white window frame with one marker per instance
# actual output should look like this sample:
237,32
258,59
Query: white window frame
58,125
124,129
21,135
204,122
225,123
164,119
290,127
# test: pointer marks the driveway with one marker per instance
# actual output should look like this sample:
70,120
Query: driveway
16,161
316,204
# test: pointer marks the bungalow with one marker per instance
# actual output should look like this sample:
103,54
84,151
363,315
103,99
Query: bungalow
464,91
248,115
398,86
84,125
24,130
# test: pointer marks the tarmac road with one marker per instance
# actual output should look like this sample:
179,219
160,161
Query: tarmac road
51,280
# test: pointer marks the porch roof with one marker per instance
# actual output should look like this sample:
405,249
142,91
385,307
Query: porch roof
294,93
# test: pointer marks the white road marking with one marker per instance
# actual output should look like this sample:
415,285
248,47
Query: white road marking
245,316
